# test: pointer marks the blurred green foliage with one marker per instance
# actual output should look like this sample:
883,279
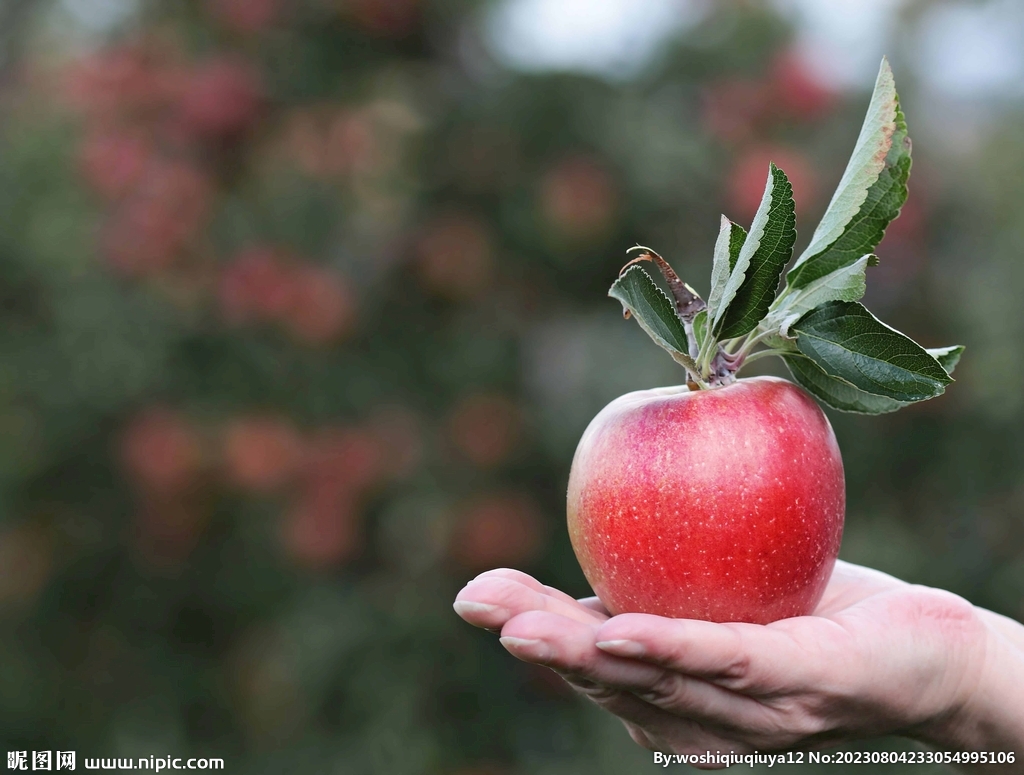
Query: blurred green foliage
303,312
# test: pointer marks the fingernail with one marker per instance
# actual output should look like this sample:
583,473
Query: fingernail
466,608
536,650
621,648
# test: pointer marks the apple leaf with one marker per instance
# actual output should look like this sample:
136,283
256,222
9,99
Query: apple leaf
837,393
700,327
731,237
850,343
737,236
948,357
843,396
870,194
654,311
754,278
847,283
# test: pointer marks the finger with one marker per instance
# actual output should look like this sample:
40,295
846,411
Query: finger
746,658
639,735
570,647
650,726
490,601
654,728
594,604
529,581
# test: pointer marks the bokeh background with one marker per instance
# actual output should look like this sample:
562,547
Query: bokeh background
302,312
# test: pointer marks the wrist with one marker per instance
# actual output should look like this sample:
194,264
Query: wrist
984,713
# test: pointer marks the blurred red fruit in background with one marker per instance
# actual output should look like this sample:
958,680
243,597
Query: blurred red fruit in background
750,174
257,285
496,530
322,529
161,451
113,162
732,108
167,530
164,212
335,141
261,453
485,428
129,79
221,99
26,556
245,16
345,460
904,254
350,143
578,198
390,18
796,90
455,257
400,435
303,140
322,307
315,304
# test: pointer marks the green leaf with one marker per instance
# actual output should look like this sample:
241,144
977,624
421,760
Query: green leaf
737,236
948,357
835,392
847,283
731,237
653,310
870,194
700,327
763,256
850,343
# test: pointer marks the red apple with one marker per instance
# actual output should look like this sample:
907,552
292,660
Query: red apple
724,504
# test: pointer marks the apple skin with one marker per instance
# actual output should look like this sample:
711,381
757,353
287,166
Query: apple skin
725,505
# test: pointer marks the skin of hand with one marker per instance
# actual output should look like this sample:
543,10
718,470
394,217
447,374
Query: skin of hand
878,656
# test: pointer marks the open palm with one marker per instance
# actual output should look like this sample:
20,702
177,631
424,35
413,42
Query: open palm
878,656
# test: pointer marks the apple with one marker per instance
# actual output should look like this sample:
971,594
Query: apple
724,499
724,505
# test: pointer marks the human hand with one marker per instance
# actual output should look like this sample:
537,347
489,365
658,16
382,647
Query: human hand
878,656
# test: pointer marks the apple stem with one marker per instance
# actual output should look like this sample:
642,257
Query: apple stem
713,363
766,353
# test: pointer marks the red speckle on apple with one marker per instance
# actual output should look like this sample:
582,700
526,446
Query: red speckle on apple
723,505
